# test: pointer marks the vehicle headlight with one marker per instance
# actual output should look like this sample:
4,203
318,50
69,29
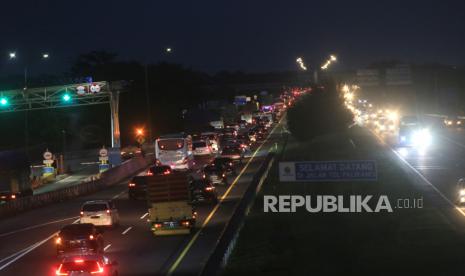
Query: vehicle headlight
462,192
421,138
459,122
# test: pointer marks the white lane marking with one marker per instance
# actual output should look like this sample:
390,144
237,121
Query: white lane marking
25,251
118,195
352,142
106,247
127,230
420,175
35,226
144,215
429,183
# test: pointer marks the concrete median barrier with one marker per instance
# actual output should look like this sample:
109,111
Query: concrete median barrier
108,178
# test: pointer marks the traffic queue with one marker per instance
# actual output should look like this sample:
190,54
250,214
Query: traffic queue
187,171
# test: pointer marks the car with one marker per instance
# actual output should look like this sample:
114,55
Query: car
129,152
159,170
202,147
227,163
252,135
229,131
260,136
213,138
99,213
87,265
137,186
244,140
83,237
203,190
217,174
453,121
234,152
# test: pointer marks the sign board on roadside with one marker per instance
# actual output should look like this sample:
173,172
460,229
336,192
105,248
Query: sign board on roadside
103,152
325,171
48,162
48,155
103,158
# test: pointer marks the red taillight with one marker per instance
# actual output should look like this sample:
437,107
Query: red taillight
13,196
79,261
209,188
132,184
59,272
108,211
157,225
149,173
81,213
166,172
185,223
224,175
91,237
58,240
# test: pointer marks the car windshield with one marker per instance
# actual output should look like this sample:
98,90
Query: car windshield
171,144
95,207
76,230
199,144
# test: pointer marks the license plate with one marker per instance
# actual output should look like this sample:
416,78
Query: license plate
170,224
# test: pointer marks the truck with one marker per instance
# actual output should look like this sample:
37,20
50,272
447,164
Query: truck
170,209
15,175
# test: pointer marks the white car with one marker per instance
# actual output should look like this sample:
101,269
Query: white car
99,213
202,147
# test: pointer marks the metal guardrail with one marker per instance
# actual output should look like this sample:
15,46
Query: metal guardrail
225,245
228,238
108,178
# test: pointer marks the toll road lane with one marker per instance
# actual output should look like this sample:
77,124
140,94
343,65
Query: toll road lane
137,251
437,169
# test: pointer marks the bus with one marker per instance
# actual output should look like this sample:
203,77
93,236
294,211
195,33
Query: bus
175,150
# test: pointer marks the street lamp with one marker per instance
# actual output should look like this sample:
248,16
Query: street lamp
12,55
45,55
301,63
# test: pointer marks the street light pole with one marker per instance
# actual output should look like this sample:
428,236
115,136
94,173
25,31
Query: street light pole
147,97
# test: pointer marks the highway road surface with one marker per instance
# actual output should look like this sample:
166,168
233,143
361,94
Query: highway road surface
28,245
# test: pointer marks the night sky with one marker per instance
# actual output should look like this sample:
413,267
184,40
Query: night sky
234,35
